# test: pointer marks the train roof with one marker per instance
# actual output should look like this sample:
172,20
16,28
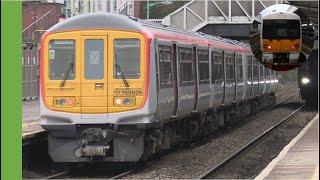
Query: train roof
102,20
278,8
281,15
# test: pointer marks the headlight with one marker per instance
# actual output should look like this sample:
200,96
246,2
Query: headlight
64,102
295,47
267,46
305,80
124,101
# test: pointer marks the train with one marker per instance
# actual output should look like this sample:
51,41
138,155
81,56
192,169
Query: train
308,79
281,38
119,89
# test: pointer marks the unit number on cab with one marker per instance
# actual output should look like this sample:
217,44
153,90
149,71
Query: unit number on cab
128,92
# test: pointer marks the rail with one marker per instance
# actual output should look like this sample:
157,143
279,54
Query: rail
248,146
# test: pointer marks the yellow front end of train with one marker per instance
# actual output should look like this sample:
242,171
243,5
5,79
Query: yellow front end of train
94,71
281,38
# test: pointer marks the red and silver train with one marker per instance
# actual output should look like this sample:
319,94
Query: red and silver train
116,89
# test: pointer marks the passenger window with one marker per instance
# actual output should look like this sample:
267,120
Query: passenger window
61,59
249,70
165,66
239,67
185,63
255,70
267,72
127,57
203,66
94,59
217,67
230,66
261,72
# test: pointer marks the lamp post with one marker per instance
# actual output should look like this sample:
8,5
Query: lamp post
67,8
167,2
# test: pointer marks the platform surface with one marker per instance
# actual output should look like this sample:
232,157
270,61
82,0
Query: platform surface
30,119
299,159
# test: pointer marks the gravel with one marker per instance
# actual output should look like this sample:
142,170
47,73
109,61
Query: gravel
252,163
191,163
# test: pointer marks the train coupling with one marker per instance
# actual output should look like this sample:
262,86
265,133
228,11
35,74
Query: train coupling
91,150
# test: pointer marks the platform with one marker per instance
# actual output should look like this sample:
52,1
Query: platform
31,119
299,159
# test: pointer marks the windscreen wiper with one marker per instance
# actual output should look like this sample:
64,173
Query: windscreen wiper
119,70
67,75
122,76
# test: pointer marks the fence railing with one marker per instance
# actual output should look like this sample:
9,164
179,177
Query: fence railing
30,73
126,9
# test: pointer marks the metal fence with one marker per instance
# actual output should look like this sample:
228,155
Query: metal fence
30,74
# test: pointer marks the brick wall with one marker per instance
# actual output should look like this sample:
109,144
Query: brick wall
31,11
137,10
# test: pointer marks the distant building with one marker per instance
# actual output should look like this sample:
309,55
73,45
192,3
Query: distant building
125,7
38,16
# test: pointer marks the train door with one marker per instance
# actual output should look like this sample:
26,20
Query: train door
175,80
255,77
195,77
239,77
94,91
217,78
230,80
249,76
261,79
165,77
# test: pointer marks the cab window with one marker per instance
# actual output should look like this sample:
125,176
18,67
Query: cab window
126,58
61,59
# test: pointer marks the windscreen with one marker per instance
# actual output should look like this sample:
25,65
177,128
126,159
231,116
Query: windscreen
281,29
61,59
127,57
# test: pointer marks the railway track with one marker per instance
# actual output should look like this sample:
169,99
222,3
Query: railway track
215,169
60,174
272,107
140,167
285,90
